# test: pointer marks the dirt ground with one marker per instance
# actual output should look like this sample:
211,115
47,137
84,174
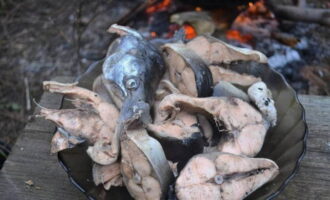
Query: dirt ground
43,39
40,40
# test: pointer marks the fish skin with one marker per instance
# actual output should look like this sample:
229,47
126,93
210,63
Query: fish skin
138,59
135,68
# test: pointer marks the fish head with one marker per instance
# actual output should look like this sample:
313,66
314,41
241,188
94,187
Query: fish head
135,68
128,74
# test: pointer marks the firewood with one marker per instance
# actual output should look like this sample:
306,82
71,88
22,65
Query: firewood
298,13
201,21
318,79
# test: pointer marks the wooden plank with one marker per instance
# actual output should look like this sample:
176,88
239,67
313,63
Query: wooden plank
313,178
31,160
48,100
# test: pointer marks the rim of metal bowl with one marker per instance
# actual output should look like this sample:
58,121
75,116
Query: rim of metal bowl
303,152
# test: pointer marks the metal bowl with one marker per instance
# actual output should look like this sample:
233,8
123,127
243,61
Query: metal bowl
285,143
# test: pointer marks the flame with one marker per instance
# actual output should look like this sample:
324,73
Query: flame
256,21
254,10
153,34
161,6
190,32
258,8
198,9
236,35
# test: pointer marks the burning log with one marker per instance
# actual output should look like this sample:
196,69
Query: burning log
158,6
301,3
318,79
300,13
257,21
238,36
201,22
285,38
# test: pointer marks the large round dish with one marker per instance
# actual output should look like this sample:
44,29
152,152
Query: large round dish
285,143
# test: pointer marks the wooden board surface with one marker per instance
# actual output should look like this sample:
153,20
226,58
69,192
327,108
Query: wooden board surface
313,178
31,160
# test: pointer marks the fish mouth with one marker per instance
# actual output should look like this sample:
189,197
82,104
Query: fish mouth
134,112
256,173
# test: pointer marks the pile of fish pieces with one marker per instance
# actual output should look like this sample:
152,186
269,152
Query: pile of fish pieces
194,125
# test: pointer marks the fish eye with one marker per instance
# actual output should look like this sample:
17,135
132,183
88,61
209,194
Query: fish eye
131,83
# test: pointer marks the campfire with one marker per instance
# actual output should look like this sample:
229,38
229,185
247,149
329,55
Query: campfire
248,24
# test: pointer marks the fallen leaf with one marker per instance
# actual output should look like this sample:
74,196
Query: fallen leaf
29,182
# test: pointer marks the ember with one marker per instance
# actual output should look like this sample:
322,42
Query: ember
198,9
153,34
236,35
258,8
256,20
161,6
190,32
